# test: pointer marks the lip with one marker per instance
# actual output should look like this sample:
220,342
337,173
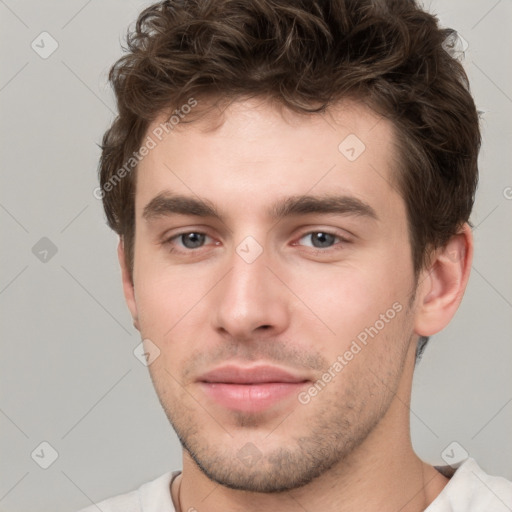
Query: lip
232,374
250,389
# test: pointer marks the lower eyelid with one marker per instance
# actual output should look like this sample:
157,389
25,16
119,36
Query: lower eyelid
174,245
338,237
211,241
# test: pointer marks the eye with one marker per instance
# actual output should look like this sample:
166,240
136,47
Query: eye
191,240
320,239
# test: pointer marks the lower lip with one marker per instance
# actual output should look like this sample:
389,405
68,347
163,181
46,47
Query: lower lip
251,397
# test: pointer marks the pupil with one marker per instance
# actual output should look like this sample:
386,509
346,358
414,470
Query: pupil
323,239
192,240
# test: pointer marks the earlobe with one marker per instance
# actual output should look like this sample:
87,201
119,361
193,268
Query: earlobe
128,289
442,286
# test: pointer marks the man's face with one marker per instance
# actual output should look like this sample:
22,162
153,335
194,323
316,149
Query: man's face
273,271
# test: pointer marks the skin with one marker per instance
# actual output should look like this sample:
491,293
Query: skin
295,306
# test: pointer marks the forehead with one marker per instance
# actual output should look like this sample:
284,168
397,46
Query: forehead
254,153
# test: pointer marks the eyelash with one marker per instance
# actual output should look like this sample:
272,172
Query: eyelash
340,239
169,242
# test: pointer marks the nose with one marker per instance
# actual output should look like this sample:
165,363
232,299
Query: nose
251,301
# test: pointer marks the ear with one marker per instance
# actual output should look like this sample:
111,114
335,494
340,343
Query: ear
129,292
442,286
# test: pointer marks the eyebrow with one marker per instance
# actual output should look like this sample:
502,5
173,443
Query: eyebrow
336,204
167,204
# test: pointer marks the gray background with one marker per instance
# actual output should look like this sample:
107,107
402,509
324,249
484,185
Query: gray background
69,376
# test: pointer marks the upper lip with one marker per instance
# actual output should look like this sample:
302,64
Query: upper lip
233,374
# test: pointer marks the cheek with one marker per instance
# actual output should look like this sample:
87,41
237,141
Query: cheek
162,305
173,304
161,302
161,292
343,301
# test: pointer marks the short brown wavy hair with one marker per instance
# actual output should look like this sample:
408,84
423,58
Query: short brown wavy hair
307,55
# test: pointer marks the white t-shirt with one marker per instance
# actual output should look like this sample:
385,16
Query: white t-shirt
469,490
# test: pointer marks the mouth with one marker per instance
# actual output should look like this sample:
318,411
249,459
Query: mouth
250,389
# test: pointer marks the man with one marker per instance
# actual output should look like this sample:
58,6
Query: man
291,182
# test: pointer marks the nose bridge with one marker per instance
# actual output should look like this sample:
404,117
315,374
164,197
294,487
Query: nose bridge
250,296
249,277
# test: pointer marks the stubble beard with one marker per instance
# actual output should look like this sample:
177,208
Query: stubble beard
338,421
324,440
